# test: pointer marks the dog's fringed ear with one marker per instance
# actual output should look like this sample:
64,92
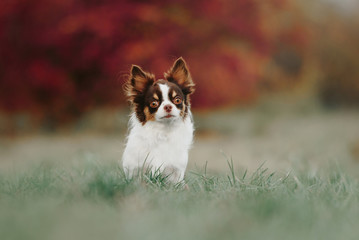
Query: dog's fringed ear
180,75
137,83
140,79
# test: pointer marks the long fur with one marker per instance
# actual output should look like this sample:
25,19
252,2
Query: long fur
160,128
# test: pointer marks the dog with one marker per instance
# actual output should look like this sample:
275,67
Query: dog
161,124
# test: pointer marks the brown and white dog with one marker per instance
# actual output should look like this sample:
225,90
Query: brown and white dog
161,125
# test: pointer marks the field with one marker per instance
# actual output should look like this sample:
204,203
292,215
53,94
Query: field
254,174
95,201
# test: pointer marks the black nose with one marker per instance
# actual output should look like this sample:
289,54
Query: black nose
168,108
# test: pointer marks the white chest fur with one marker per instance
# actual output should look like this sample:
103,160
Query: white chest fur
159,145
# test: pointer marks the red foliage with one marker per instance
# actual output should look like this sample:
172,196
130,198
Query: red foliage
64,56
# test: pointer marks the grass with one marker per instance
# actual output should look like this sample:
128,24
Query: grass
95,201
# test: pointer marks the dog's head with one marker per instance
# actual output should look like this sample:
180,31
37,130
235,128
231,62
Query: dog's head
162,100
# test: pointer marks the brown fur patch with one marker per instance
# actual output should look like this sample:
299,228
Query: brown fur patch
137,83
135,89
180,75
149,116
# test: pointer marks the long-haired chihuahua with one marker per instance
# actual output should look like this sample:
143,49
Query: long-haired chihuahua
161,125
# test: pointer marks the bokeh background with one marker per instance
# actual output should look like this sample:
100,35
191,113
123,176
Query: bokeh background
277,80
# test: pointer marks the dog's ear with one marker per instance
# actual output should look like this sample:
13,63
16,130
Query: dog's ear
180,75
138,81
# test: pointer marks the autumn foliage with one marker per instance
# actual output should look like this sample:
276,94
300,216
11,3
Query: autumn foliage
64,57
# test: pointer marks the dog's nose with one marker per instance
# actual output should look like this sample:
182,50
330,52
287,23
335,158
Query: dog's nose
168,108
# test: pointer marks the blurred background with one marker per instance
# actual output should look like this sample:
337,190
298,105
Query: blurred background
277,80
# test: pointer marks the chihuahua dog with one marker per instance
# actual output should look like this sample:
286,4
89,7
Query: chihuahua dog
161,124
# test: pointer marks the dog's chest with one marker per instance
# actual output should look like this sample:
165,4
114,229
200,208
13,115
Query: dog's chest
178,136
159,144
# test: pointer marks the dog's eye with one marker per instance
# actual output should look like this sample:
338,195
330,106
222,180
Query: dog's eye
177,100
154,104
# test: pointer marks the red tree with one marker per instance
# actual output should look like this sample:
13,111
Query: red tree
63,57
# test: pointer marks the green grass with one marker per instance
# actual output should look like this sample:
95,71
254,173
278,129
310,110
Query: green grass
95,201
